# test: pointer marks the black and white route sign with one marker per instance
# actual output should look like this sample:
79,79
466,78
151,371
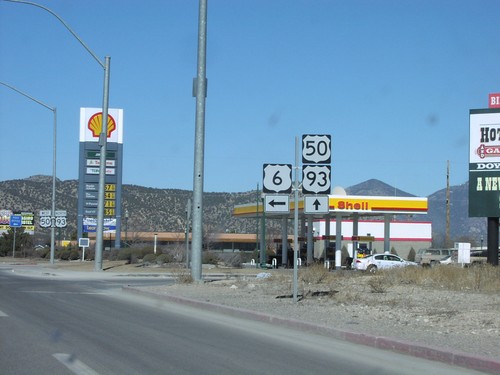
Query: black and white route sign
277,178
58,220
316,179
277,204
316,149
316,204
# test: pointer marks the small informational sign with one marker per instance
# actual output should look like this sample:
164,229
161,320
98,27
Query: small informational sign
277,204
83,242
494,101
316,204
16,221
463,252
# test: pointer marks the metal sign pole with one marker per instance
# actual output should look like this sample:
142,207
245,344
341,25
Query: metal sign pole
296,222
14,244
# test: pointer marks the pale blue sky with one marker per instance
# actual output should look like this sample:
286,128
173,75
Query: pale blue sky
392,81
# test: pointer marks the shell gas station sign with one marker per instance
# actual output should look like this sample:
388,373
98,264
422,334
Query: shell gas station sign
378,204
91,126
355,204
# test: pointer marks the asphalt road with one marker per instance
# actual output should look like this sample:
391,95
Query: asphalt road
53,325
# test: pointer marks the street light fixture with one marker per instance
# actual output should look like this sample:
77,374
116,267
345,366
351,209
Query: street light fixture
102,137
54,157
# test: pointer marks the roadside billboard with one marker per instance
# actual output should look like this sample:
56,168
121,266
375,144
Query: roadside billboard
484,163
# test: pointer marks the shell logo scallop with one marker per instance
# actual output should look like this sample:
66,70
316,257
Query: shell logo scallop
95,125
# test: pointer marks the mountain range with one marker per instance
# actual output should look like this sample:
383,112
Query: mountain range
164,210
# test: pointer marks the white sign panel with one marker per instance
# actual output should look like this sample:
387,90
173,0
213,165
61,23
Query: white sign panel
485,141
316,204
97,162
45,221
60,221
277,204
277,178
463,252
316,149
92,170
316,179
91,125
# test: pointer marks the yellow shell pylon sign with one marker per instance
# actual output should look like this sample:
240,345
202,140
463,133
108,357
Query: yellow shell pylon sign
95,125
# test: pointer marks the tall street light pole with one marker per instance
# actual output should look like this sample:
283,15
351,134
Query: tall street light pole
200,92
54,158
102,138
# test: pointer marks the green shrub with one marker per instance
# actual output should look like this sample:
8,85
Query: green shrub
111,254
44,253
124,254
234,260
64,254
74,255
411,255
145,251
149,258
210,257
89,254
164,258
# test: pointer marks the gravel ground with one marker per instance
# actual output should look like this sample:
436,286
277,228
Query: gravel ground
461,321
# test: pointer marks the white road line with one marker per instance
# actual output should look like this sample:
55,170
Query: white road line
2,314
73,364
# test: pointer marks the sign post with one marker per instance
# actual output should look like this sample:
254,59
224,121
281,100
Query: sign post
316,178
83,243
277,184
15,222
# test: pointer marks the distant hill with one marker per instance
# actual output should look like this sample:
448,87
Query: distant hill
153,209
375,187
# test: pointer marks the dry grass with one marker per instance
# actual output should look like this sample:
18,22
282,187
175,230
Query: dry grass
378,284
483,278
315,274
182,276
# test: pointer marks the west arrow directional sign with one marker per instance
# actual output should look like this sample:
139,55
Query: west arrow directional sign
277,204
316,204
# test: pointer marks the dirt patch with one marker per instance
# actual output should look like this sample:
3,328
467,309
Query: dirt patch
466,321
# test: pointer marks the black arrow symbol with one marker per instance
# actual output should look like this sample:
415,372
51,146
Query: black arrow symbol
316,204
274,203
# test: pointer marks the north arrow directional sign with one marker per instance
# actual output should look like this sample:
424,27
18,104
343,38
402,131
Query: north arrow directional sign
277,204
316,204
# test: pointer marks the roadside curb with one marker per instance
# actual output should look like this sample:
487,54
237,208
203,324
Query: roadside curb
456,358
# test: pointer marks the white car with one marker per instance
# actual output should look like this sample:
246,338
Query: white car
381,261
448,260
